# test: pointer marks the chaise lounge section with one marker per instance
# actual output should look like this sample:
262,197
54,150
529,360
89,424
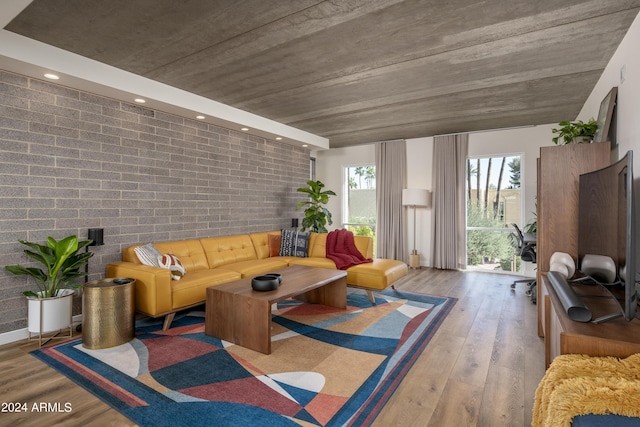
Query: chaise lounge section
216,260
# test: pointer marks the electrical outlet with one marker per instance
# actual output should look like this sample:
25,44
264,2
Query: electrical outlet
623,72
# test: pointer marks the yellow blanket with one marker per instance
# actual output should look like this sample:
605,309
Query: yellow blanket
579,385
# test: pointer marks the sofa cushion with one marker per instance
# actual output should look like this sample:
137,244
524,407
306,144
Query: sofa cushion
257,267
313,262
294,243
225,250
189,252
364,245
192,289
318,245
266,244
378,274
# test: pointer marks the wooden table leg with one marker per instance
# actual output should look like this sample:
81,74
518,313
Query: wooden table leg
252,323
217,305
333,294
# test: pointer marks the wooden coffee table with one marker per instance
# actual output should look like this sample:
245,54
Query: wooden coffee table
237,313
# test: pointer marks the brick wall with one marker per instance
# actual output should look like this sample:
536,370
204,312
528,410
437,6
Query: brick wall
71,160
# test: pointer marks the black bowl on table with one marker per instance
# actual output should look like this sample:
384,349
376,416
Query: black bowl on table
277,275
265,283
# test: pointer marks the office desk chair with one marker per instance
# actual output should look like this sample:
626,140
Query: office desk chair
526,249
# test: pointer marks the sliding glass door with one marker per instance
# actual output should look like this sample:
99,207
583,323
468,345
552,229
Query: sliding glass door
359,203
494,202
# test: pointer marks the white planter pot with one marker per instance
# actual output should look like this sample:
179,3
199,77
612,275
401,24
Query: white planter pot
55,312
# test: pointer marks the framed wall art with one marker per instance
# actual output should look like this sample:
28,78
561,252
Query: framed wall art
606,117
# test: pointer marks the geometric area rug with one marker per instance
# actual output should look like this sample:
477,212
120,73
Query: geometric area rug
328,366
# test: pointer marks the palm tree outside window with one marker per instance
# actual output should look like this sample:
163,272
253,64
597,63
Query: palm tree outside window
359,209
494,200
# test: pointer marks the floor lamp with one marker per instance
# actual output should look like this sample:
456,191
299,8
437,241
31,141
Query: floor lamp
414,198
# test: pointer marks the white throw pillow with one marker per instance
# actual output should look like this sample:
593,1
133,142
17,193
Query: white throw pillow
148,255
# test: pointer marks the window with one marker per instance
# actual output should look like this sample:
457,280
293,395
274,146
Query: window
359,208
494,202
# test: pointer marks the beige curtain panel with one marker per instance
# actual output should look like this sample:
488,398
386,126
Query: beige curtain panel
391,166
449,205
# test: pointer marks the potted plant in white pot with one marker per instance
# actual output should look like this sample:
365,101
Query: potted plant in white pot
50,306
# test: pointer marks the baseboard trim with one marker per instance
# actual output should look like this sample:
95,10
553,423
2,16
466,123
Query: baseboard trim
23,334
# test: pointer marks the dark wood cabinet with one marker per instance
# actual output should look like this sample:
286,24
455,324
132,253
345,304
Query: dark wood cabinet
559,169
617,337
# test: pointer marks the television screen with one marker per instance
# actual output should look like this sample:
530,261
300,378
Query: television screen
606,226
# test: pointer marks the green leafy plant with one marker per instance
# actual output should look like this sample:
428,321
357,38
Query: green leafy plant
531,227
61,261
570,130
486,245
316,216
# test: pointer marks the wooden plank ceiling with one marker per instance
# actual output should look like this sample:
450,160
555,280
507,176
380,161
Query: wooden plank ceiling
355,71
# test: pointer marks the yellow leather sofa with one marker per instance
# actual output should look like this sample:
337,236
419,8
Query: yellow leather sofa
215,260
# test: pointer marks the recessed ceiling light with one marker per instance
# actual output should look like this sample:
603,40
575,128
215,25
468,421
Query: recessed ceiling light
278,138
305,145
200,117
244,129
51,76
140,100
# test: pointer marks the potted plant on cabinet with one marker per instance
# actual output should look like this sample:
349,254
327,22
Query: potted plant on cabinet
316,216
575,132
50,306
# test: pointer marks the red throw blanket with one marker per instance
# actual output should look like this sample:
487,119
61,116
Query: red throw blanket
342,250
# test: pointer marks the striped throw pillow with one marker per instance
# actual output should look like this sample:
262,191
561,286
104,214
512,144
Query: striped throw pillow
148,254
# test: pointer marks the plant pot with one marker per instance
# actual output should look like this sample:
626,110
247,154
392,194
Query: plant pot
50,314
581,139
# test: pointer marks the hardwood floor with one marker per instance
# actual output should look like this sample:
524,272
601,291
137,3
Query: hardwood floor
481,368
483,365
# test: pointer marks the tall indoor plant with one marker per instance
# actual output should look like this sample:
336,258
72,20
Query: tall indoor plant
61,261
62,265
316,216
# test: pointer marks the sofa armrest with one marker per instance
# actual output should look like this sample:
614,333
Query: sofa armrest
152,287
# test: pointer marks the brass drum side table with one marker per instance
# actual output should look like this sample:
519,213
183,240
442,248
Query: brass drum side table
108,312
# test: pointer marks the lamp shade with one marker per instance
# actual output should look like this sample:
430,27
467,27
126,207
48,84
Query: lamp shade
416,197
